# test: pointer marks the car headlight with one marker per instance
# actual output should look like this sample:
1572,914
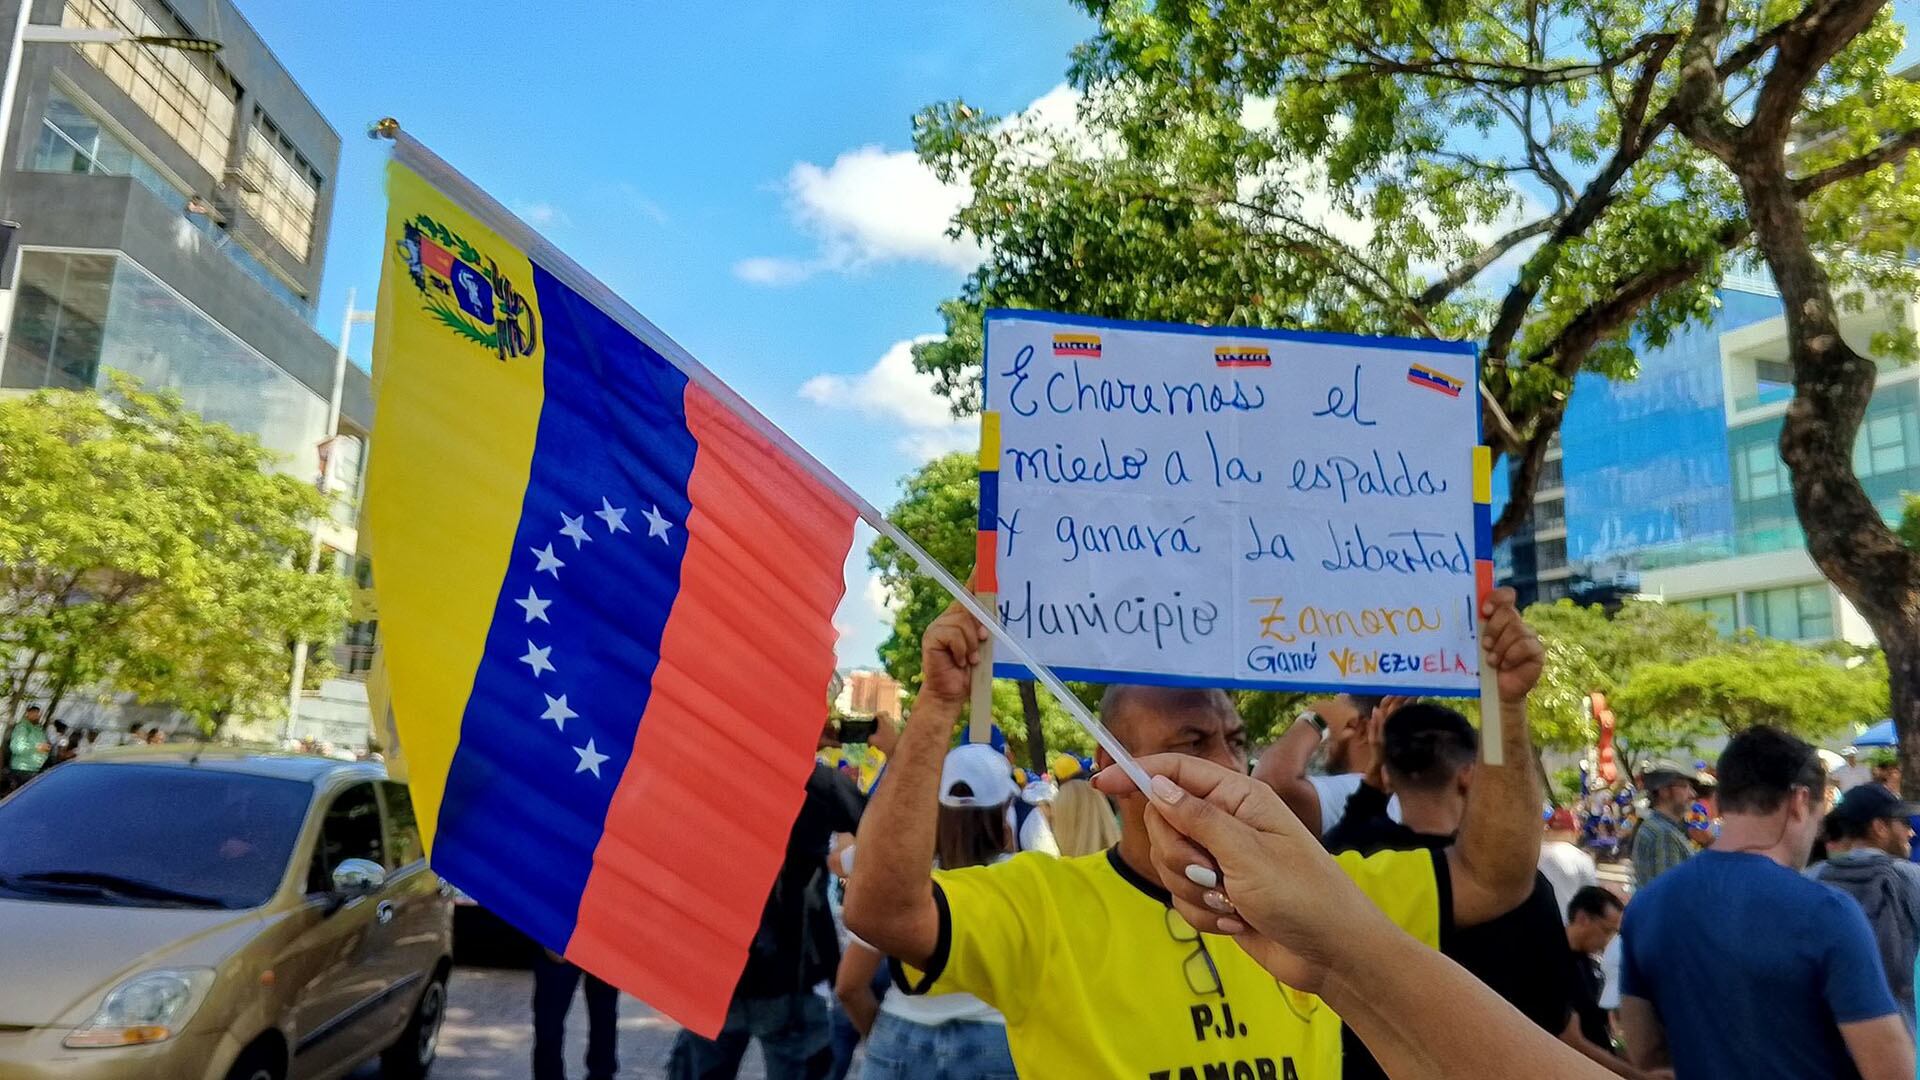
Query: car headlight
151,1007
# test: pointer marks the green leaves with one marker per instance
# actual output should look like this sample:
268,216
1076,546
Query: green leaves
146,551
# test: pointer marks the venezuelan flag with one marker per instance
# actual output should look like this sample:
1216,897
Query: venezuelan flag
606,589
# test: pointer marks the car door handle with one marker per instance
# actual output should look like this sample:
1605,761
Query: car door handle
384,913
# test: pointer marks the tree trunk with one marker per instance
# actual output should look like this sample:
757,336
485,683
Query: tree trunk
1832,385
1036,736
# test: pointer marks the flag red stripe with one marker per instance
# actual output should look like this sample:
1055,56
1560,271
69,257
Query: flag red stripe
698,826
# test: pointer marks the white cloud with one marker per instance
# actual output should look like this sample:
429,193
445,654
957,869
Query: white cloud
873,206
543,215
881,603
892,390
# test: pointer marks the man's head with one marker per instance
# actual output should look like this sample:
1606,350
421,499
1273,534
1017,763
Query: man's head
1429,748
1561,824
1669,788
1593,918
1169,720
1766,774
1346,729
1886,769
1871,816
33,714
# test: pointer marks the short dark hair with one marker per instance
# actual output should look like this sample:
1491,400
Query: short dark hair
1593,900
1760,768
1366,703
1166,699
33,708
1836,826
1427,745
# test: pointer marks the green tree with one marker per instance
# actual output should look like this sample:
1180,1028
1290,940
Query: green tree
145,550
1355,166
1808,692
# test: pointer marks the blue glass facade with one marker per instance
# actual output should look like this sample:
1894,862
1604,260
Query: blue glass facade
1648,474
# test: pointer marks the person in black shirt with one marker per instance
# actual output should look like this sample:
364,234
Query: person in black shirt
1427,759
794,951
1593,919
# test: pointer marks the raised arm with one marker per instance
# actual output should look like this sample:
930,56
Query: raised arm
1283,767
1499,849
890,902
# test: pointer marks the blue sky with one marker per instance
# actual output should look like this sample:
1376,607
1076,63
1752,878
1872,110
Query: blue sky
744,180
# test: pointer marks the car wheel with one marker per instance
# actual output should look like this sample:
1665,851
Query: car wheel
411,1056
255,1064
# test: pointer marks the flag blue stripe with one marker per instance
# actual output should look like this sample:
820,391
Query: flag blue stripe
520,820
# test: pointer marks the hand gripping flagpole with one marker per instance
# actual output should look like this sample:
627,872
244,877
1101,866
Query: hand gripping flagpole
411,153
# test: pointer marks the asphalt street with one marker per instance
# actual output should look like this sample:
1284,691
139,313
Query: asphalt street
489,1033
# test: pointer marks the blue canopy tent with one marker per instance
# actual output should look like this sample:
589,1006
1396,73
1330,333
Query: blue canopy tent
1880,734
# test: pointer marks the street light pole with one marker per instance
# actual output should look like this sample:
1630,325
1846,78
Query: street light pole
326,488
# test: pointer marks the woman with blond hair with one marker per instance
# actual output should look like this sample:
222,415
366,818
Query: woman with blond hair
1083,820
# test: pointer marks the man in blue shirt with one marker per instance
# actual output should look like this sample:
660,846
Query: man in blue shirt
1737,966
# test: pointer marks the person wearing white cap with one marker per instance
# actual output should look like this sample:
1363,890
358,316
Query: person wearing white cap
955,1036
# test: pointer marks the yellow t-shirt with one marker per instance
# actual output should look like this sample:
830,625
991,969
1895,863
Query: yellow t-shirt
1098,977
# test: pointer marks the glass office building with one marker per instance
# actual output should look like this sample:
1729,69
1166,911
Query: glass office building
1671,485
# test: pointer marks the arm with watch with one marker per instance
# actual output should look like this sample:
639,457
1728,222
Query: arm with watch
1284,765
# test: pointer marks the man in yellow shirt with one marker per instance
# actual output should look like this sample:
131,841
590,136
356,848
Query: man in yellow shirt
1096,974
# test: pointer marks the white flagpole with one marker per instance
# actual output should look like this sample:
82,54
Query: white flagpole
429,165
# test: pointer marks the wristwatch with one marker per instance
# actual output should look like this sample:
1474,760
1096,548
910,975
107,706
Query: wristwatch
1313,718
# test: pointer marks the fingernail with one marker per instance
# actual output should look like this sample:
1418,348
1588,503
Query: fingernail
1231,926
1167,791
1218,902
1203,876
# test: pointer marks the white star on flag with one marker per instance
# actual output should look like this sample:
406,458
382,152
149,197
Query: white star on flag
548,561
657,525
536,659
535,607
557,711
590,759
571,527
614,516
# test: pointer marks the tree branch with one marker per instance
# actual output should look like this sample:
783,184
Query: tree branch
1487,256
1888,152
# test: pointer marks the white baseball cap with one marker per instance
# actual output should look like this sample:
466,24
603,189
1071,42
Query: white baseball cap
975,775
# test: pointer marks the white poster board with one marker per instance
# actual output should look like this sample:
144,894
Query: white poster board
1190,506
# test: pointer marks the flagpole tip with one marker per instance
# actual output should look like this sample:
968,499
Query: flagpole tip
384,128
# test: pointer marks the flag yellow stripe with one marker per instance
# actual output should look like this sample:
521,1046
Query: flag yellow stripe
989,441
1483,475
453,442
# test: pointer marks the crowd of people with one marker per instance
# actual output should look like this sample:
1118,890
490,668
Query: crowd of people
1368,897
34,744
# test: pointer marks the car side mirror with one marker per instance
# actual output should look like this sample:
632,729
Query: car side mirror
355,878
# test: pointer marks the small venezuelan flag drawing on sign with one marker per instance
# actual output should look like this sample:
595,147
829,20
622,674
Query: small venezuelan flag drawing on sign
1242,356
1422,375
1077,345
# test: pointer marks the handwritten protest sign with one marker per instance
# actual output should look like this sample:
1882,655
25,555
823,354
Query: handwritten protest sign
1225,507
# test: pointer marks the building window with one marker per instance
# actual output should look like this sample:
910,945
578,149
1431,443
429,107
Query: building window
1758,472
72,140
1793,613
1551,475
1724,611
59,321
1881,446
279,189
1552,554
1552,591
77,315
1550,513
188,95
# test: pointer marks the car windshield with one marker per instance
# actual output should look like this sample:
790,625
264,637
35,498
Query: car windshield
150,836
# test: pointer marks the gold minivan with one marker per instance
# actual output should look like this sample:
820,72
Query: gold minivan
181,913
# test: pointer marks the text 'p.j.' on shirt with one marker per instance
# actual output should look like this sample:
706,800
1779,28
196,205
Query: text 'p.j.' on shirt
1098,977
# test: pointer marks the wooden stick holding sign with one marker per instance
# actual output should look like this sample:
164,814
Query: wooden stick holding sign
980,724
1492,748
